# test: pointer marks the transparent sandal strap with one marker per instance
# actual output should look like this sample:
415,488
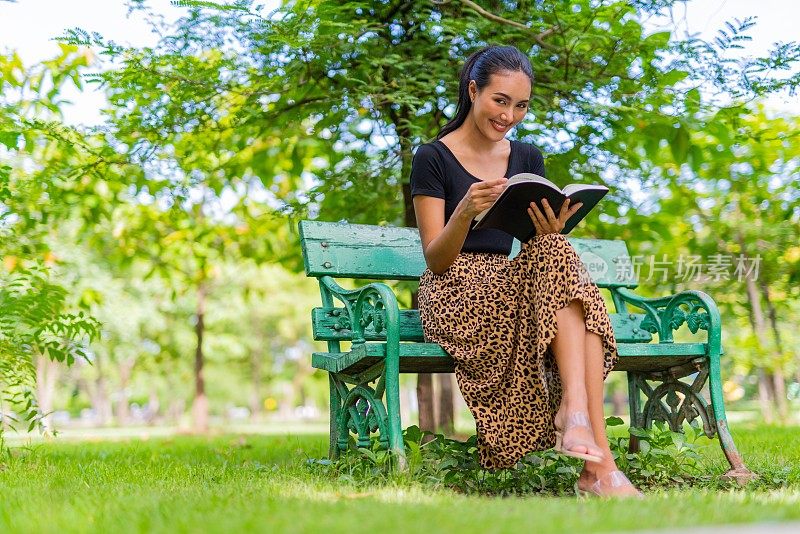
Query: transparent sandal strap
577,419
614,479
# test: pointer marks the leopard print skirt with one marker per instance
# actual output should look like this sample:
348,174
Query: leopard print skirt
496,317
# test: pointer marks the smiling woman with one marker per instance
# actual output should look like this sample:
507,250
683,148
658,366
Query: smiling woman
503,110
530,337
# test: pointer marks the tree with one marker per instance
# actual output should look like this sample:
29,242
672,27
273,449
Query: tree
317,106
741,195
37,323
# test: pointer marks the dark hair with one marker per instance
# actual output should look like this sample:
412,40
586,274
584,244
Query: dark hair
479,67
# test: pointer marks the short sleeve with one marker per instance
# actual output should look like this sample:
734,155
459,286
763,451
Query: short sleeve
537,162
427,173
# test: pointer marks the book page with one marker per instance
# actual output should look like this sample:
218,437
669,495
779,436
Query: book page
530,177
574,188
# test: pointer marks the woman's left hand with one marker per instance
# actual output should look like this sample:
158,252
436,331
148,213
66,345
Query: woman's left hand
548,223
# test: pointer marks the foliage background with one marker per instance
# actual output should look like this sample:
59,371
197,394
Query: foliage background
158,251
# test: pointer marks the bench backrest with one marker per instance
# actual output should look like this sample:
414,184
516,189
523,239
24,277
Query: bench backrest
347,250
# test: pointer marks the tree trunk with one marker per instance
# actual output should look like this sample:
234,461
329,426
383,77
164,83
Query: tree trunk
619,399
765,392
255,373
445,424
99,397
766,384
425,400
97,392
778,377
46,377
297,396
123,411
427,420
200,404
153,407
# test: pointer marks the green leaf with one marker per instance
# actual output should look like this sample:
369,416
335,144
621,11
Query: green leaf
692,101
9,139
679,146
658,40
678,439
614,421
695,157
672,77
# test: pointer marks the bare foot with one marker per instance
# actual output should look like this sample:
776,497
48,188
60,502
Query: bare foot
605,480
578,435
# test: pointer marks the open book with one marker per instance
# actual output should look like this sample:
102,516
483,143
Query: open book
510,211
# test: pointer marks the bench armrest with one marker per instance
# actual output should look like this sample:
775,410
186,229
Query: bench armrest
666,314
373,303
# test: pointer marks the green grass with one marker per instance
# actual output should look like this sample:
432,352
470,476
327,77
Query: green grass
262,484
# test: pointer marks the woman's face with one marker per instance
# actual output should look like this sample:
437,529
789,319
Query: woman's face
501,105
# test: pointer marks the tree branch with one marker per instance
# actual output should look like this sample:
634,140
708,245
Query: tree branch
538,37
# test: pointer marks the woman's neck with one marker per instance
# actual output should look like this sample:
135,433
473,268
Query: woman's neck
467,137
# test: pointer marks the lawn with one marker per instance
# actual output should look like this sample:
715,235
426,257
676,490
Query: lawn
263,484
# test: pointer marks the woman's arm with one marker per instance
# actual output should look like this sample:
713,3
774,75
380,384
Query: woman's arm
441,242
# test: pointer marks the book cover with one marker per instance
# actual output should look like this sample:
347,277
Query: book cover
510,211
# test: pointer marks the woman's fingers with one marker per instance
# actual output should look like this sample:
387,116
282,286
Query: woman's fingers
489,187
538,218
547,222
490,184
564,209
541,219
573,210
551,217
535,221
487,199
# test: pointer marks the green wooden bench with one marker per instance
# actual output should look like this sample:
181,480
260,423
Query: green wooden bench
386,341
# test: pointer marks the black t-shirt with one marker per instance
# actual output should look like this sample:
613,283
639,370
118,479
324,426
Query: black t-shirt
436,172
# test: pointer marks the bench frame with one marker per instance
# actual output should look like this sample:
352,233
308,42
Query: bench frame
385,340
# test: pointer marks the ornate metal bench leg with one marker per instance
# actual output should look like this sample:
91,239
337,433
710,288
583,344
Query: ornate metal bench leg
675,402
738,471
360,409
393,409
336,402
634,402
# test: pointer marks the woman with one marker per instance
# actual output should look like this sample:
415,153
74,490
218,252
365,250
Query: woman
530,337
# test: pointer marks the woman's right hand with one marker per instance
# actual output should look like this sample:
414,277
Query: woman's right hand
480,196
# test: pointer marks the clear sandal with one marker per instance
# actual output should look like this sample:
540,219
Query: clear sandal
609,481
576,419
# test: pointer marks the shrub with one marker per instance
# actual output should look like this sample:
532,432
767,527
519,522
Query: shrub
665,459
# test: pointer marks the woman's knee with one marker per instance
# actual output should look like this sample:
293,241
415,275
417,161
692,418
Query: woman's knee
574,307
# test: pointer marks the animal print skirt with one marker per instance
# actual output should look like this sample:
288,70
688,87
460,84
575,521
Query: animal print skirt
496,317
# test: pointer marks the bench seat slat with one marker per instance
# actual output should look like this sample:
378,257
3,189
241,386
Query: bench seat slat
414,357
328,327
431,358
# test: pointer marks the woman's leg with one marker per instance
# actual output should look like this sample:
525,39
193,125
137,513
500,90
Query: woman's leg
592,471
580,359
594,390
569,349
